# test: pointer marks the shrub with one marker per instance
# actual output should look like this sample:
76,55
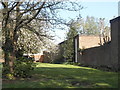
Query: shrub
22,68
10,76
5,71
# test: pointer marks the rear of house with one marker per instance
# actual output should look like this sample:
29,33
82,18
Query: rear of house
89,41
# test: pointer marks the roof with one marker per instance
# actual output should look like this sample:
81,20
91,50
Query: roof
115,19
62,42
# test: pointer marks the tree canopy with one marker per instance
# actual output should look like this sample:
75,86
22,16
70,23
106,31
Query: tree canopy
26,24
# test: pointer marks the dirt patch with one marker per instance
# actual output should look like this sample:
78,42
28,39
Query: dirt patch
69,78
9,81
33,79
80,83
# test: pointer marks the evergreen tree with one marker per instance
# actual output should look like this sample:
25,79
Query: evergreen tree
69,43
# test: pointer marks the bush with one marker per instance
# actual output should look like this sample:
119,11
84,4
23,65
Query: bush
10,76
22,68
5,71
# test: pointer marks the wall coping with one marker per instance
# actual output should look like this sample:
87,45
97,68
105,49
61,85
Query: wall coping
115,19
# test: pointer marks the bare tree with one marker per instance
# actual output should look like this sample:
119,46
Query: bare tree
104,31
21,15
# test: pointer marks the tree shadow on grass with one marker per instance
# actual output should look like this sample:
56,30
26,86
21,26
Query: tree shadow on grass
60,77
78,76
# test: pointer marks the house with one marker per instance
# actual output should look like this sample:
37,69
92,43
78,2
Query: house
106,55
88,41
82,42
37,57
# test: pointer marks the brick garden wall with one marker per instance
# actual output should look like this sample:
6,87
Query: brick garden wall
96,56
106,55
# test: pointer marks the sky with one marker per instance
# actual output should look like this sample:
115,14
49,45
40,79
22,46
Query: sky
98,8
103,9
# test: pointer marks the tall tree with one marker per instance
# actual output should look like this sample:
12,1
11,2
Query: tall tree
21,15
69,43
90,26
94,26
104,31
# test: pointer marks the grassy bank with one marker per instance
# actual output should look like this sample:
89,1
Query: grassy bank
65,76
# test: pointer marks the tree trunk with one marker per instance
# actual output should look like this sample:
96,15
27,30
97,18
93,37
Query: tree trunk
8,43
9,48
9,52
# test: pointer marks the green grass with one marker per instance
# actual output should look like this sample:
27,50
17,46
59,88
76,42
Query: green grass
65,76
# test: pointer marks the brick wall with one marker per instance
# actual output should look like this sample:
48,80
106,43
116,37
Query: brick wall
115,36
96,56
106,55
89,41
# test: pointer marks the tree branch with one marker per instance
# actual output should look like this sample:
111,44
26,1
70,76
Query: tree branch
21,24
3,3
18,3
35,14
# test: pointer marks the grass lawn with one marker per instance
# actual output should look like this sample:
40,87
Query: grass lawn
65,76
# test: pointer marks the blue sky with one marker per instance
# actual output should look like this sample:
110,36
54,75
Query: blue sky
100,9
105,10
97,9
